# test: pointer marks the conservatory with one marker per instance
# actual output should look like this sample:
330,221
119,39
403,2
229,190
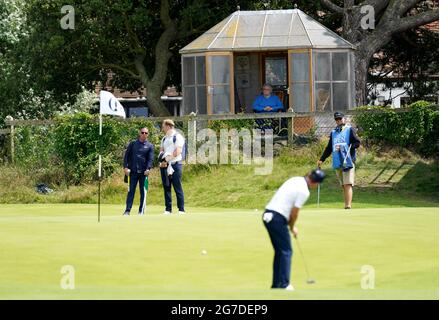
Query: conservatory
309,67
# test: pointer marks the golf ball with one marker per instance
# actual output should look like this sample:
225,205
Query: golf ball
203,252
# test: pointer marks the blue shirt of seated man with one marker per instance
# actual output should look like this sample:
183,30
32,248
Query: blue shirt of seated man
267,102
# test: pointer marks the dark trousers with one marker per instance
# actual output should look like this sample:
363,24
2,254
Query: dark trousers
173,181
280,238
136,178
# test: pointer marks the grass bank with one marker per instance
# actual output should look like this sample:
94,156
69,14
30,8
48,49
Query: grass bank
385,178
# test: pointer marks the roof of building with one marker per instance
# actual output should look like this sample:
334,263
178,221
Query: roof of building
267,30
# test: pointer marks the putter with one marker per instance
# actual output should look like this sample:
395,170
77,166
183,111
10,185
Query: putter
309,280
347,154
318,193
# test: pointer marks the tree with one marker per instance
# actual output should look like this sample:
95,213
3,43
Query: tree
409,60
392,17
133,39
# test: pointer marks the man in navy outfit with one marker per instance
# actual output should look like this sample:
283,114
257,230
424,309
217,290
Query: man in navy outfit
138,161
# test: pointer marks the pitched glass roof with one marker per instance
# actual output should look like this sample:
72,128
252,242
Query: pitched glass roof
267,30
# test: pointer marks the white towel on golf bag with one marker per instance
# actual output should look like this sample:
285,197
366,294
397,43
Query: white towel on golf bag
169,169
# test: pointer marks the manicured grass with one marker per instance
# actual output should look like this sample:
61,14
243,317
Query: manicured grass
160,257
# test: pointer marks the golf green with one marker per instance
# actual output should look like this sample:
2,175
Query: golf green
214,254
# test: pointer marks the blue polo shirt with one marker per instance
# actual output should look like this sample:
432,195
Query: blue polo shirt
139,156
272,101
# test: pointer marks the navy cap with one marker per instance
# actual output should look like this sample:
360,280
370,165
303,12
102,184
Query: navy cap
338,115
317,176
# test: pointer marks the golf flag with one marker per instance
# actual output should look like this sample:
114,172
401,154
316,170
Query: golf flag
110,105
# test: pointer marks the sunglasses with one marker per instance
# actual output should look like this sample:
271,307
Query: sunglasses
144,132
338,119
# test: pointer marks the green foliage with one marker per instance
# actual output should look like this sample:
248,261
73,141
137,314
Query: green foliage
417,127
217,125
85,102
415,55
34,148
78,143
82,56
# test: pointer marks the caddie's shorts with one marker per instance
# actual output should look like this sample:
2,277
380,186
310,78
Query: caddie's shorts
346,177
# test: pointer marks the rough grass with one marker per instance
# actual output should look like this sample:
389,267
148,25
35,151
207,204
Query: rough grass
385,178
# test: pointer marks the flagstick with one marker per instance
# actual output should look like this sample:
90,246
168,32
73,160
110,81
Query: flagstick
318,196
108,104
99,188
100,168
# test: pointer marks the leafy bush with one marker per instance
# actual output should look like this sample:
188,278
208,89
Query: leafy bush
68,150
78,143
416,127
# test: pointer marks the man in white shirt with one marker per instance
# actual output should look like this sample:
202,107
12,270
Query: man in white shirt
280,214
170,159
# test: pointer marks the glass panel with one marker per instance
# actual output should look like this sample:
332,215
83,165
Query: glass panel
188,71
201,70
221,99
274,41
301,97
189,100
276,71
300,66
298,41
201,100
220,69
202,42
139,112
340,64
340,94
323,97
297,28
322,68
228,31
326,38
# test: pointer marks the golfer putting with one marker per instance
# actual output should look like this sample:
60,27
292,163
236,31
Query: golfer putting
138,161
280,214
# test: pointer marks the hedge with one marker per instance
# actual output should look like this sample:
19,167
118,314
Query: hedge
69,148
